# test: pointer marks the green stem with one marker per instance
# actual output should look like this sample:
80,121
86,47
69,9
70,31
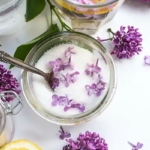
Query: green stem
109,30
62,23
51,11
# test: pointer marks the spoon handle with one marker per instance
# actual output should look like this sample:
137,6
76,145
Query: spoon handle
6,58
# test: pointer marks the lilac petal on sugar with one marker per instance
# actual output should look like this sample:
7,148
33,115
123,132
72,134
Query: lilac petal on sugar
55,97
54,103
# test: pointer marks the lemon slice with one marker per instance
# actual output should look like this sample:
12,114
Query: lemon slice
3,139
21,145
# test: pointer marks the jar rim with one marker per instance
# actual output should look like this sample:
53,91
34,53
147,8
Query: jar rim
79,118
91,6
12,7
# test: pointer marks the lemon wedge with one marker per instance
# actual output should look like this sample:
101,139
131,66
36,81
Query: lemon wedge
21,145
3,139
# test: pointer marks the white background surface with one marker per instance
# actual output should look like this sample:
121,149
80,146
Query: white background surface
128,116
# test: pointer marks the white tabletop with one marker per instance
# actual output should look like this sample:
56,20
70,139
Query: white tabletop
126,118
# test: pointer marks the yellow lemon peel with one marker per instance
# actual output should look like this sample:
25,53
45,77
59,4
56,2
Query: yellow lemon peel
21,145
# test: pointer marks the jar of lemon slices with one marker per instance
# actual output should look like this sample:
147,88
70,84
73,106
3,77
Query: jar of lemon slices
6,110
87,15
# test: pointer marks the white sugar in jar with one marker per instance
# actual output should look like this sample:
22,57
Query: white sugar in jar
75,91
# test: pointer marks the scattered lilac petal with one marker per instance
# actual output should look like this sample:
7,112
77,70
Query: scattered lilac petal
147,60
136,147
64,134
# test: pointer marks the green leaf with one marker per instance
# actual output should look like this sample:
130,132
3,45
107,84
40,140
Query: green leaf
52,29
23,50
34,8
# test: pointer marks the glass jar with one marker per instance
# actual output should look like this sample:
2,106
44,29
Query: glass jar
87,18
6,121
81,40
11,16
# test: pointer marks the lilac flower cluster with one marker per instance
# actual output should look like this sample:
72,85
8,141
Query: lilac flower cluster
87,141
68,104
127,43
8,82
96,89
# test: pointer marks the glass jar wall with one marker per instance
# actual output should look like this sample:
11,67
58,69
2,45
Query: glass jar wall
87,18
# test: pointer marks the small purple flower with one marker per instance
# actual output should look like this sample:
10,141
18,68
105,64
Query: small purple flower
68,104
8,83
68,64
55,83
87,141
147,60
127,43
73,76
69,78
66,79
75,105
136,147
91,69
60,100
55,101
96,89
69,51
57,65
64,134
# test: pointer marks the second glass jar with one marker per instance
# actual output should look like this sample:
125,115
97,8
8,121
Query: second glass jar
87,18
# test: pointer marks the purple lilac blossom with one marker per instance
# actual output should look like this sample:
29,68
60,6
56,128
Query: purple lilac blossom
69,51
57,65
87,141
75,105
147,60
68,104
69,78
8,83
127,43
96,89
136,147
64,134
91,69
68,64
55,83
60,100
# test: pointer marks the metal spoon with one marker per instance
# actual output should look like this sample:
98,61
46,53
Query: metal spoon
6,58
